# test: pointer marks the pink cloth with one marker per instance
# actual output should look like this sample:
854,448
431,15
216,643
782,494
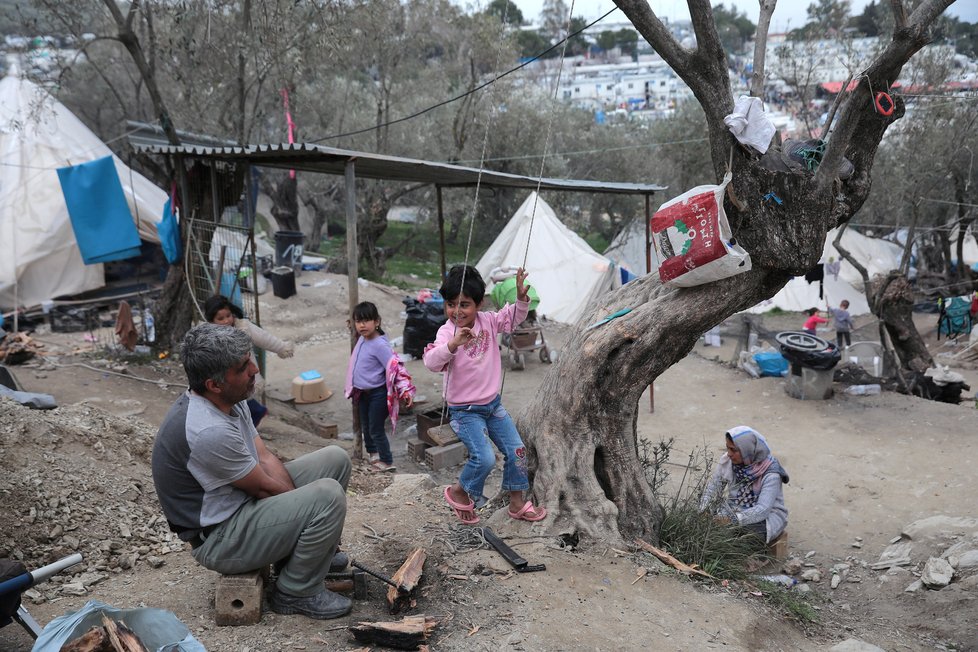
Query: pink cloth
814,321
399,387
474,371
397,379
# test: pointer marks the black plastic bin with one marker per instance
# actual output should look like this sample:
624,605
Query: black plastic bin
421,327
288,249
812,360
283,282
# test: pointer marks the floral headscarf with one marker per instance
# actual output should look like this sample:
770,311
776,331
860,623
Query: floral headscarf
757,462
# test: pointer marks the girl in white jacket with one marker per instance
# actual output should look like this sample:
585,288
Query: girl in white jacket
219,310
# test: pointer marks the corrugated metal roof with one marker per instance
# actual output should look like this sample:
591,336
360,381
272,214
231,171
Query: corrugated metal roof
329,160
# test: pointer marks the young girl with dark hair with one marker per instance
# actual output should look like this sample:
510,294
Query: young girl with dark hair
465,349
377,382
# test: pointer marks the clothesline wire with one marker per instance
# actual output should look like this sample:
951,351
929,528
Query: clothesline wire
948,201
969,98
901,226
467,93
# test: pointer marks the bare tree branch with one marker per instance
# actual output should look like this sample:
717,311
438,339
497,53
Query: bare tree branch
760,46
657,34
131,16
708,42
927,12
857,113
899,15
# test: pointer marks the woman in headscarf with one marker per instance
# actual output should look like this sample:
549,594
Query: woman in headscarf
753,479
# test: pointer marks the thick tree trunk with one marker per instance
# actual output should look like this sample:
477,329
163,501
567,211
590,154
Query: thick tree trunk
174,310
581,433
285,203
892,300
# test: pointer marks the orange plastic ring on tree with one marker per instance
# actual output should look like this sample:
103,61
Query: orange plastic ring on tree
884,103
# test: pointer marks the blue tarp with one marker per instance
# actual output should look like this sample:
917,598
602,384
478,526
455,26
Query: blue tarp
169,232
100,217
771,363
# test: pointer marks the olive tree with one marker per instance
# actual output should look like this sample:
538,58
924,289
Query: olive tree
581,430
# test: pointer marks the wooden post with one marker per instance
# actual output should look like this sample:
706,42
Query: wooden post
441,232
353,272
648,270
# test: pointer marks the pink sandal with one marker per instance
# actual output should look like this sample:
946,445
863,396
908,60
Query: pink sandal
529,513
461,509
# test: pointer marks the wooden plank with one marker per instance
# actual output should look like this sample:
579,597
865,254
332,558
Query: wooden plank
442,435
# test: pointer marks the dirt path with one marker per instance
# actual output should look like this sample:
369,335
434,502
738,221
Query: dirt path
862,468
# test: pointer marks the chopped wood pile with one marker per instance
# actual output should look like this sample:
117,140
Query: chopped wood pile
112,636
18,348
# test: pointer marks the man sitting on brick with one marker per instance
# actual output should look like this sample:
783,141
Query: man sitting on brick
240,507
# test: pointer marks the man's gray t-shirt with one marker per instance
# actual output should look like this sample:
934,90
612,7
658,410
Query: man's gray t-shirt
199,451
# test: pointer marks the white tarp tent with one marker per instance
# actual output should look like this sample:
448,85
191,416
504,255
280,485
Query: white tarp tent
567,273
876,255
628,248
970,249
39,257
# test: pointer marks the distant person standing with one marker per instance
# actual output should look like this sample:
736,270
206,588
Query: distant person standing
843,323
813,321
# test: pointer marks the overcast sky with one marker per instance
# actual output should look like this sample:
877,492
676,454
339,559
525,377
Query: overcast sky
788,15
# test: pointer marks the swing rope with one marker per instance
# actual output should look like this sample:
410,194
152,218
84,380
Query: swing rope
475,197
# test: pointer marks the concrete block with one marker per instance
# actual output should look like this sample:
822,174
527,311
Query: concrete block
443,457
238,598
778,549
416,449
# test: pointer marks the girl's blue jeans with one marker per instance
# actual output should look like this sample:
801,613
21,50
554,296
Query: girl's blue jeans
372,405
477,426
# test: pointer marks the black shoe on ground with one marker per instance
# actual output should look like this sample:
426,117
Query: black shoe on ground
322,606
340,561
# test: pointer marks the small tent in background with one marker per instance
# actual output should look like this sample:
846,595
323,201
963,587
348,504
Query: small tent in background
39,256
628,248
566,271
969,250
876,255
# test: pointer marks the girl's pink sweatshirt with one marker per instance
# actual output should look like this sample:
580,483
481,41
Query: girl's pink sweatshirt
475,371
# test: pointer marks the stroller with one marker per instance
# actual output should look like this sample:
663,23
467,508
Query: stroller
528,336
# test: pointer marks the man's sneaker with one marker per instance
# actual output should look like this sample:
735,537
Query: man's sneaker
373,458
322,606
340,561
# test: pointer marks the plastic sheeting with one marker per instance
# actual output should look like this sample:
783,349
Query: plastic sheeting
628,248
38,250
564,269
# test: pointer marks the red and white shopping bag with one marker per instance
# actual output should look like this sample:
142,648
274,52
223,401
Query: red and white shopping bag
693,241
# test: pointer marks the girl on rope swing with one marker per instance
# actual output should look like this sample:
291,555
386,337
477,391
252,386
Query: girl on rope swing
465,349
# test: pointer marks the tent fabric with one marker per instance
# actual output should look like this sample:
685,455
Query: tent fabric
876,255
38,250
969,250
99,215
565,270
628,248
